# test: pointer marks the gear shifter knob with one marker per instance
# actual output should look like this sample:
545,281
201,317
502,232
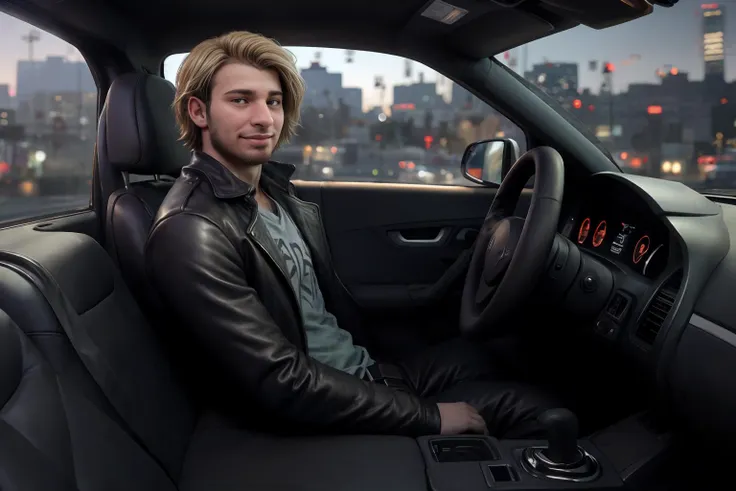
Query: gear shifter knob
562,458
561,426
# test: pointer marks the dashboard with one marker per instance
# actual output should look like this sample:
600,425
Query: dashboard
629,236
655,272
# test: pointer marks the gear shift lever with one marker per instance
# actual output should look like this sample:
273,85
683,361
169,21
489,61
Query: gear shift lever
561,458
562,434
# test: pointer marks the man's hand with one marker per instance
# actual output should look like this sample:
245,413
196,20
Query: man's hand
458,418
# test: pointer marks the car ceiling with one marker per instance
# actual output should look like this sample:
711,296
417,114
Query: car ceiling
162,27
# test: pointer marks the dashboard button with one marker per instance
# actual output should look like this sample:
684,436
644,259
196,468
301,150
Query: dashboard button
617,306
607,329
589,283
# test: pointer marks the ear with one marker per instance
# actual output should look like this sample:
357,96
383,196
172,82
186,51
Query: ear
197,111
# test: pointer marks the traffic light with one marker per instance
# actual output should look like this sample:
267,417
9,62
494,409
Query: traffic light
7,117
428,141
608,68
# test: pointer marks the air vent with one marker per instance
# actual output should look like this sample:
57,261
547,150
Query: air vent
659,309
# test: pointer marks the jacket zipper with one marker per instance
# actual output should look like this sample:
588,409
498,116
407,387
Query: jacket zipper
284,276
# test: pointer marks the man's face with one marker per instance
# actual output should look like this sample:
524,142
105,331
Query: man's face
245,114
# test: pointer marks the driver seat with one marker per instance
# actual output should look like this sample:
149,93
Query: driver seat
139,157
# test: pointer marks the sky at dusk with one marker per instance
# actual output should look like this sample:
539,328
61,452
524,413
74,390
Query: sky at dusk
667,37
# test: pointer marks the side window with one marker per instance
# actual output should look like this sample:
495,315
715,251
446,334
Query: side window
376,117
48,114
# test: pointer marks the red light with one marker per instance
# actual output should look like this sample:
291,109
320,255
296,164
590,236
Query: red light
707,6
577,103
624,155
591,108
378,138
428,141
636,162
674,71
654,110
609,68
724,100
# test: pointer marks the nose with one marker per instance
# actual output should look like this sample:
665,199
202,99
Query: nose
261,115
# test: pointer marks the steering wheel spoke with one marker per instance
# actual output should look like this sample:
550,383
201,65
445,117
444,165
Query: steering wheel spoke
484,293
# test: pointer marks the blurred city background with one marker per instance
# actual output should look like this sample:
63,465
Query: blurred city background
665,110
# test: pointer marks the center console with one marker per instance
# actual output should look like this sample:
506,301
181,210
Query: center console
562,461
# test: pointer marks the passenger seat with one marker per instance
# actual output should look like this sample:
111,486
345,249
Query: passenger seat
137,137
107,411
52,437
58,433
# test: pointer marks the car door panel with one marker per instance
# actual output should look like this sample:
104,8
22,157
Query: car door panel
392,244
84,222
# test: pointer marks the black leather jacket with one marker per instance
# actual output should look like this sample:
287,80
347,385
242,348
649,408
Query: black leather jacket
223,285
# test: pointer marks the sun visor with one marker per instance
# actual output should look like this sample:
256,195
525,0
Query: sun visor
600,14
498,31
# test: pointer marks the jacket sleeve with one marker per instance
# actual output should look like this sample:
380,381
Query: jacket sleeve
200,277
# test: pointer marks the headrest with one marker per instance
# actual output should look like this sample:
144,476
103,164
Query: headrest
138,132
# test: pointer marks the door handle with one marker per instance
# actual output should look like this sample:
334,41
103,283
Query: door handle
399,238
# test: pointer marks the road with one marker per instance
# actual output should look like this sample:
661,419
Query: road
19,207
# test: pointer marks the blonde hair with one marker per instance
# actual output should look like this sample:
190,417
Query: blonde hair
195,75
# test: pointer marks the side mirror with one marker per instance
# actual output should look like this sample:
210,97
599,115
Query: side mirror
488,161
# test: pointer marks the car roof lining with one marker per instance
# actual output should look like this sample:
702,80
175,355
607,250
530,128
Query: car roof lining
152,30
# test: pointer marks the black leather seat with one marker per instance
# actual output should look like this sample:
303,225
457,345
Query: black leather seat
115,415
139,156
54,437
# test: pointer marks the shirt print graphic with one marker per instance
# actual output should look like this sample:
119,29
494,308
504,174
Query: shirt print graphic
301,272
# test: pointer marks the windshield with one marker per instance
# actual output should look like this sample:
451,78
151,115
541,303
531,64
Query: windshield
655,93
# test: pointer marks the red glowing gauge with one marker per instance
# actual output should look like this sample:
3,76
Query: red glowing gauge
641,249
584,231
600,234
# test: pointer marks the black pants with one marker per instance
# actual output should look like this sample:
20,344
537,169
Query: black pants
460,371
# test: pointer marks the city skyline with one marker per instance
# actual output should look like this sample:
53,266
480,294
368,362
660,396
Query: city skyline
649,39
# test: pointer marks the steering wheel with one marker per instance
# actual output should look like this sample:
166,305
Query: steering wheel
510,252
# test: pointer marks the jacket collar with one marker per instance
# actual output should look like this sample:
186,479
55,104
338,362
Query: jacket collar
225,185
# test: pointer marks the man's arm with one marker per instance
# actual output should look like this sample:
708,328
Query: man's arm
200,276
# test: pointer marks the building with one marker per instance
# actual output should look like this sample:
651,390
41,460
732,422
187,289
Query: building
558,80
5,96
52,76
421,103
714,48
325,90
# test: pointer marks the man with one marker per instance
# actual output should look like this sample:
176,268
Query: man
244,270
